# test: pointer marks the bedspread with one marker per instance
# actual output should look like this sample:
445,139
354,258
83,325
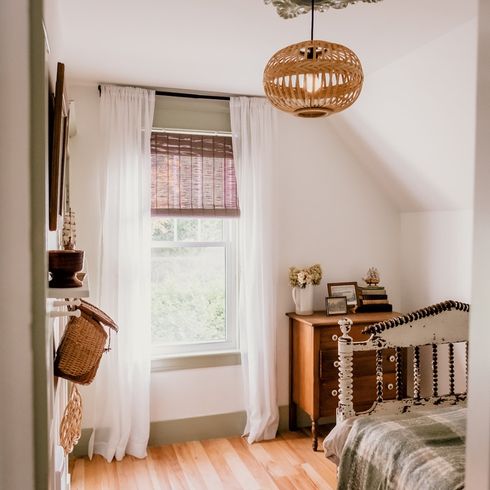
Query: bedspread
415,451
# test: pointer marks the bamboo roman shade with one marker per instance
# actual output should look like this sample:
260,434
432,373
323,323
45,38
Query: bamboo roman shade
192,175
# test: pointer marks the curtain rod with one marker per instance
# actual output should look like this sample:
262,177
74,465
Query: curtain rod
185,95
192,96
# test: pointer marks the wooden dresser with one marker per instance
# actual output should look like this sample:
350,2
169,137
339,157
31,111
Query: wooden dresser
313,376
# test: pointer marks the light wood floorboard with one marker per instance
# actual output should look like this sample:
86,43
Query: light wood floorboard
286,463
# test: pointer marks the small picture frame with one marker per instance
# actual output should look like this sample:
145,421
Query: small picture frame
347,289
336,305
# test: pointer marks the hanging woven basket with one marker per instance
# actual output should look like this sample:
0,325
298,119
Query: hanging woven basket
313,78
82,345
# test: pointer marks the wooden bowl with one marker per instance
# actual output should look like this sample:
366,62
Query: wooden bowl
63,266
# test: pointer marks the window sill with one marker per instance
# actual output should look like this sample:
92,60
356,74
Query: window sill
195,361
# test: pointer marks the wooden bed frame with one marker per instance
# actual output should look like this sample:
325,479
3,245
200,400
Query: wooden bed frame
443,323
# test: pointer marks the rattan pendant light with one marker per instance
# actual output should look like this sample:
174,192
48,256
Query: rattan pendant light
313,78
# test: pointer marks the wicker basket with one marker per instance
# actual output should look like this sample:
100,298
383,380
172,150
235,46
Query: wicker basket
71,423
83,343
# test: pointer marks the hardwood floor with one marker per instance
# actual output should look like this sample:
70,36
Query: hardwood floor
287,462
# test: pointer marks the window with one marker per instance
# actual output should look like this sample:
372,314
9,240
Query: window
193,254
193,285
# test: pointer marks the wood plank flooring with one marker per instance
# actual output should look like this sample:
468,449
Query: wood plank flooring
287,462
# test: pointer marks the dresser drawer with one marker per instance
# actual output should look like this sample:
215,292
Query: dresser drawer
364,393
364,363
329,335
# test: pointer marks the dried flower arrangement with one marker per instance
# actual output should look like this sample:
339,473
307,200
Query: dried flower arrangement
300,278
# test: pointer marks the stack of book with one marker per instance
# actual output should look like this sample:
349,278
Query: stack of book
373,299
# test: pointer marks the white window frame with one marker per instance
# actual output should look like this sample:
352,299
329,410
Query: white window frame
231,342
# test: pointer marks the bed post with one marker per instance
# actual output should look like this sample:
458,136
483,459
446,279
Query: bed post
346,353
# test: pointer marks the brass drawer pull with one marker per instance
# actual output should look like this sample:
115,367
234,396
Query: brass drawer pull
390,386
335,337
334,393
392,359
336,364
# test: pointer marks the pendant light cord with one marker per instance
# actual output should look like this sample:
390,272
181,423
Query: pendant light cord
312,17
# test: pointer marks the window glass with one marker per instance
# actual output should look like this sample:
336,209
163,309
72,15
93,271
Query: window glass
212,229
162,229
187,229
190,281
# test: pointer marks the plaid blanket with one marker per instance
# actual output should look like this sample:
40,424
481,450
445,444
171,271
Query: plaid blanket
414,451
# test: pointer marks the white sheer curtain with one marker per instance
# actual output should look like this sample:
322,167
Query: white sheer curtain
252,127
122,385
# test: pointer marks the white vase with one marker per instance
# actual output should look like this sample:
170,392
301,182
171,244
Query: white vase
303,300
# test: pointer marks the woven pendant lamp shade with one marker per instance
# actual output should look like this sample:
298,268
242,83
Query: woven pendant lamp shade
313,78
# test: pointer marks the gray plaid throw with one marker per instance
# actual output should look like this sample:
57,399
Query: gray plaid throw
415,451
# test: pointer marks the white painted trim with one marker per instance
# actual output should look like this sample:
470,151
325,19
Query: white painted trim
477,474
195,361
231,342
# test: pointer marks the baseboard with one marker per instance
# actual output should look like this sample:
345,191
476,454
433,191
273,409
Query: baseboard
195,429
81,449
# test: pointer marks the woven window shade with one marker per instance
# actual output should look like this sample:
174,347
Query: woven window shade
192,175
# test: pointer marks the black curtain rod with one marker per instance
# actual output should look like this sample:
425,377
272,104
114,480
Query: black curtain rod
193,96
186,95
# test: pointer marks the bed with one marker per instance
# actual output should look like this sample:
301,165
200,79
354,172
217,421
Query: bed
411,442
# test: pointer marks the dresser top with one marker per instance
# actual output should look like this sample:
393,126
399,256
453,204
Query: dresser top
320,319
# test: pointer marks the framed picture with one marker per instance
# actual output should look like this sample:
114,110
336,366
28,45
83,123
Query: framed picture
336,305
57,138
63,165
347,289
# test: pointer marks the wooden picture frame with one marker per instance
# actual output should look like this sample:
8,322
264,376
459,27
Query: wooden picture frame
57,147
63,165
336,305
347,289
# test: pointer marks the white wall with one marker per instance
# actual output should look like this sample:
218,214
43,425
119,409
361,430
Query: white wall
436,252
84,158
478,428
196,392
327,209
413,125
56,41
16,407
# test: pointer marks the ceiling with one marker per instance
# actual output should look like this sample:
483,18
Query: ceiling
223,45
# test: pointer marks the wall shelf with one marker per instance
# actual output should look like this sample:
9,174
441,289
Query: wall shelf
80,292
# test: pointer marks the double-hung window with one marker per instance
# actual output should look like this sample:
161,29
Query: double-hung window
193,251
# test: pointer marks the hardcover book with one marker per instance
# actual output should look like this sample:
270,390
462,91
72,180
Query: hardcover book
373,292
374,301
374,308
374,296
